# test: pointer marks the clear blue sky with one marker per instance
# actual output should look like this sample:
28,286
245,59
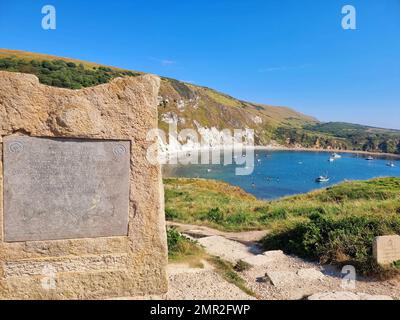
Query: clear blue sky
280,52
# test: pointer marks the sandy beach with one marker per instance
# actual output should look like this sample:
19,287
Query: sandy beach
283,148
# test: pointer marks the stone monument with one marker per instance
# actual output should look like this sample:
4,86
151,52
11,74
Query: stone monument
81,210
386,249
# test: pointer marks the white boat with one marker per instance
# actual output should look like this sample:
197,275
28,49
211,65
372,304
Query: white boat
331,159
209,170
369,158
322,179
336,155
390,164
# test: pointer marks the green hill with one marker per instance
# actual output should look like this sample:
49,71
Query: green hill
193,106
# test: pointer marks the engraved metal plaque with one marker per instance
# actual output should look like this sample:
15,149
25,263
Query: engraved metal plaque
58,188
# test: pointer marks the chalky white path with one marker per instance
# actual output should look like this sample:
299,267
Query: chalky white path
273,275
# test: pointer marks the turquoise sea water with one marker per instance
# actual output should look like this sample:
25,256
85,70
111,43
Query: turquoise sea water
281,173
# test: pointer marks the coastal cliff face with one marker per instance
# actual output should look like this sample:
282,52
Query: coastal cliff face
209,112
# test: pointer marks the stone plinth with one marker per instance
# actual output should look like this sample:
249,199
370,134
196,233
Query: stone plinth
386,249
82,210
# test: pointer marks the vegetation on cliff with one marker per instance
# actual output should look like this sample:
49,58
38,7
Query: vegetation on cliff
339,135
335,225
193,106
59,73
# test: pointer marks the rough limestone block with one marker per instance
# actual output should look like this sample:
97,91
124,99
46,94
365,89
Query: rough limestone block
84,183
229,250
310,274
386,249
265,259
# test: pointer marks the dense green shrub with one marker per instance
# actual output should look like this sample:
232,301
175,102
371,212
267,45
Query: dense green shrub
274,214
172,214
174,237
181,247
63,74
214,215
340,240
238,218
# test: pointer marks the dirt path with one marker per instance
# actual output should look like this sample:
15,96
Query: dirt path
245,237
274,275
271,275
189,283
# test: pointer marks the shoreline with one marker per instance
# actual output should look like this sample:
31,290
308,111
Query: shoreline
283,148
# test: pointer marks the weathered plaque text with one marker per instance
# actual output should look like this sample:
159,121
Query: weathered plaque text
56,188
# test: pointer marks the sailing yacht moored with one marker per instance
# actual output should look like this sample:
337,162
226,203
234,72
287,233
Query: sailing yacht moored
321,179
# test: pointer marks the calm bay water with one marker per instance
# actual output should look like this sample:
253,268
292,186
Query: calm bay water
282,173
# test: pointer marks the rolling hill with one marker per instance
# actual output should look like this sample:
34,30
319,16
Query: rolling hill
207,110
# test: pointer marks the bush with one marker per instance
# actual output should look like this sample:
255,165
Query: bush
238,218
278,213
171,214
59,73
340,241
173,239
214,215
180,247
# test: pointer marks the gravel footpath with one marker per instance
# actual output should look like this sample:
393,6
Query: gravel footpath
272,275
187,283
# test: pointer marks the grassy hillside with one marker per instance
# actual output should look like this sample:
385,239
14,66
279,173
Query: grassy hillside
29,56
360,137
336,225
59,72
193,106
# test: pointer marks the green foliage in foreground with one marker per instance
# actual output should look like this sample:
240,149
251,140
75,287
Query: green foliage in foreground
63,74
180,248
335,225
343,240
228,272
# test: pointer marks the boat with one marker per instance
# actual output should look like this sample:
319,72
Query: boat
369,158
390,164
322,179
209,170
331,159
336,155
